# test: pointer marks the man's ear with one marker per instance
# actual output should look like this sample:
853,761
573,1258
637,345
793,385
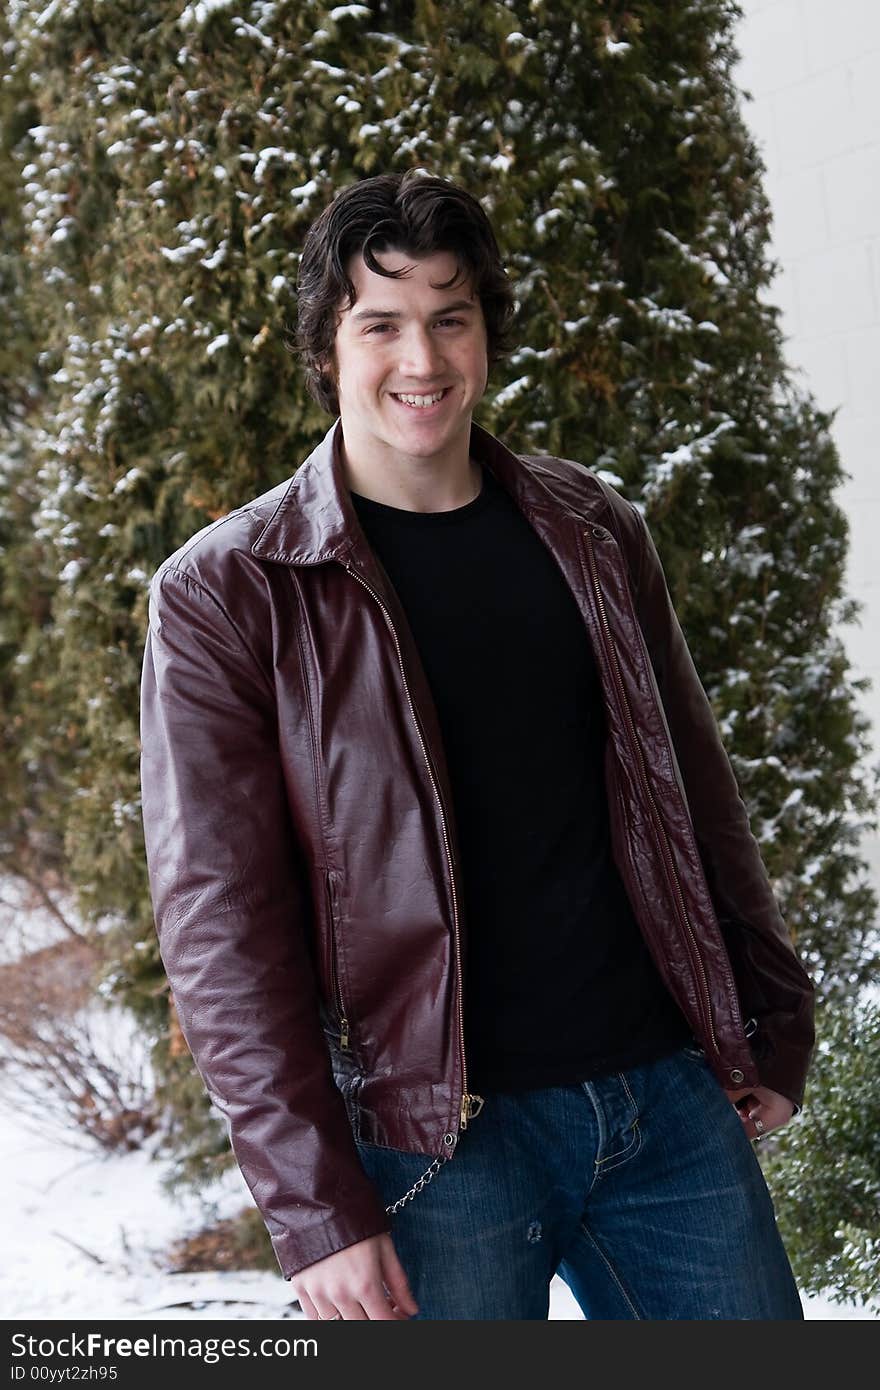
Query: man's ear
328,368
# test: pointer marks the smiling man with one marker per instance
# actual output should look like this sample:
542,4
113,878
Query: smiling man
457,897
410,365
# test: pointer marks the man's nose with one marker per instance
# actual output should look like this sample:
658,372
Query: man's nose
420,353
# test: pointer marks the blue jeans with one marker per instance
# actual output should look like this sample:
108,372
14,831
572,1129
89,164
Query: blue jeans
639,1188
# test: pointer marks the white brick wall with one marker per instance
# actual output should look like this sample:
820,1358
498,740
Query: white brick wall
813,71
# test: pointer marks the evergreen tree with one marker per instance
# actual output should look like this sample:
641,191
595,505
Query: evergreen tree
174,158
824,1171
36,742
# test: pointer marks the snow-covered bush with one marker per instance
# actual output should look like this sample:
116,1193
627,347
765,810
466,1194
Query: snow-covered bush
70,1063
824,1169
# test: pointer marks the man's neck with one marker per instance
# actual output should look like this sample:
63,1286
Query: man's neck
426,494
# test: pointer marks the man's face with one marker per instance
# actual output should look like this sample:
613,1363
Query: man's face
420,351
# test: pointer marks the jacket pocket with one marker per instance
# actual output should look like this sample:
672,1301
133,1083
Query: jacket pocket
332,963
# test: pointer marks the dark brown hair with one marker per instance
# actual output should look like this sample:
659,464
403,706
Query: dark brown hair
411,212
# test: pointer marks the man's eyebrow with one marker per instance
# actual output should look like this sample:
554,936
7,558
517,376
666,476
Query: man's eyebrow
395,314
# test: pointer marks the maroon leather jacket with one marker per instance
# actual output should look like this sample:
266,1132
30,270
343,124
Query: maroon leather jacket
301,842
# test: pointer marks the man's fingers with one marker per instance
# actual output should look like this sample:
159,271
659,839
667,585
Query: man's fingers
380,1308
396,1280
756,1125
348,1284
372,1305
750,1111
308,1307
351,1310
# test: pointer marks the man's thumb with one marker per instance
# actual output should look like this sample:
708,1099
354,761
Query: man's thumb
394,1278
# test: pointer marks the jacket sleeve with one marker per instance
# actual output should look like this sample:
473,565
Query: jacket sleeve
231,913
772,985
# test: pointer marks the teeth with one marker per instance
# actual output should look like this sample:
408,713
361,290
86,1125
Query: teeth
421,400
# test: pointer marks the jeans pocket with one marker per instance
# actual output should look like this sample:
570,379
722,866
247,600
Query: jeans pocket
387,1149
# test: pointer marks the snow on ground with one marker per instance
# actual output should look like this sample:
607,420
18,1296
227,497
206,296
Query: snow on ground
86,1237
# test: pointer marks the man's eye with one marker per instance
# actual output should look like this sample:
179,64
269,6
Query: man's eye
391,325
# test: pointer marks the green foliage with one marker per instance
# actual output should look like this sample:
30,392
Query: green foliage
162,163
824,1167
236,1243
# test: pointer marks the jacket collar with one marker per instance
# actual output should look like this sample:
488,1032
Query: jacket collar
315,519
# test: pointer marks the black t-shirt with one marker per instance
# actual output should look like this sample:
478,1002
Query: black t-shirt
559,985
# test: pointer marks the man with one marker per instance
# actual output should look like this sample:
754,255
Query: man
465,926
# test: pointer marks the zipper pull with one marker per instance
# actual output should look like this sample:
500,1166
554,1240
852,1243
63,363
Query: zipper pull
468,1110
343,1036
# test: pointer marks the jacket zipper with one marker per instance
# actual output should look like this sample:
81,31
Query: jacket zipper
658,823
334,974
469,1107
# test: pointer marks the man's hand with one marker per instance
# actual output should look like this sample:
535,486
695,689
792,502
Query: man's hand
762,1104
363,1282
